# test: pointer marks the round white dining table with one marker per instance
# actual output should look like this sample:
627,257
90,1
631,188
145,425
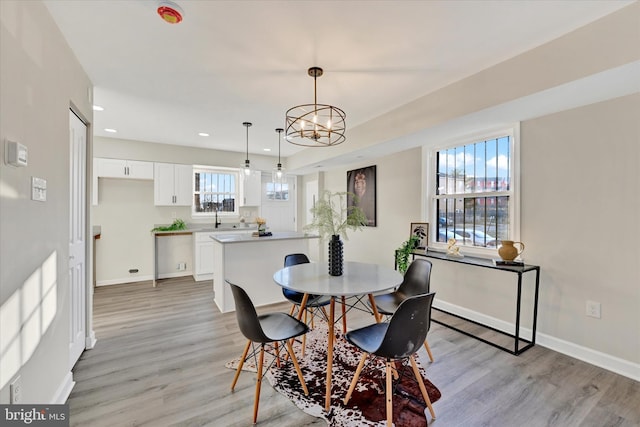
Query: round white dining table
357,279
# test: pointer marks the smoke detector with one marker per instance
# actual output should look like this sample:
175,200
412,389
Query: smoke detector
169,11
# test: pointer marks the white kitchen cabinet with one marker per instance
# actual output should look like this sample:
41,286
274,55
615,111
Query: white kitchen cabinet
202,256
252,189
172,184
118,168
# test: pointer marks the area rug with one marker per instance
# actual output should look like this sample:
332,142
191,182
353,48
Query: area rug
367,406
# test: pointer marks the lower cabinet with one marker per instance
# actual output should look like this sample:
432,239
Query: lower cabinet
202,256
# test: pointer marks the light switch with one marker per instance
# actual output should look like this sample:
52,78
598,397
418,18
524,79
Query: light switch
38,189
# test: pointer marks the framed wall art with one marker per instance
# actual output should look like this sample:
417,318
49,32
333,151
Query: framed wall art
362,183
421,231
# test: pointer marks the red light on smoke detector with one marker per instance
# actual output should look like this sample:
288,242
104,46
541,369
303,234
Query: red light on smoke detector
170,12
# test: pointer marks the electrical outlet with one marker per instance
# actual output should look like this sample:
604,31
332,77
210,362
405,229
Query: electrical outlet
593,309
15,391
182,266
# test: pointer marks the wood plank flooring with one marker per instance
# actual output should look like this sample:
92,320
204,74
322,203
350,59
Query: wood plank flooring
160,356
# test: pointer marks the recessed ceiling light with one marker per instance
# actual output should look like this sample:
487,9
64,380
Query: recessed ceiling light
97,108
267,149
110,130
203,134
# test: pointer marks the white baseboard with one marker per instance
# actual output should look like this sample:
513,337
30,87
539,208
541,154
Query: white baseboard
90,340
142,278
594,357
64,390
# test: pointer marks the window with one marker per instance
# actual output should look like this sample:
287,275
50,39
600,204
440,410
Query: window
277,191
475,191
215,190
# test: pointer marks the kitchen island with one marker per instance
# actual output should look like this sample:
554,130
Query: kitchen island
250,262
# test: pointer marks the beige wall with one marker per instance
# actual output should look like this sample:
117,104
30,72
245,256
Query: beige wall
580,207
580,219
398,202
39,80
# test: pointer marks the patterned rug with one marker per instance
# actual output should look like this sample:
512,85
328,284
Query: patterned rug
367,406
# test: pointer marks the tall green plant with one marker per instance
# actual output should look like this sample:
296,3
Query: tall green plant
332,216
403,253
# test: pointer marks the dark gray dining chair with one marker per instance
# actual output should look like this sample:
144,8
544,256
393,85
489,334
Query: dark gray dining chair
398,339
416,281
295,298
264,329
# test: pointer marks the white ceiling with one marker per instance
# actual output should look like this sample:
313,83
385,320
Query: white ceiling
234,61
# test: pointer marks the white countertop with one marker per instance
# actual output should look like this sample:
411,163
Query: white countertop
248,238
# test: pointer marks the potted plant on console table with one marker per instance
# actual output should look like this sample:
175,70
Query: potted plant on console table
331,219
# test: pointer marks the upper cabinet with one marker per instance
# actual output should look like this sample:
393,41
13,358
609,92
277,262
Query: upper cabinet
116,168
252,186
172,184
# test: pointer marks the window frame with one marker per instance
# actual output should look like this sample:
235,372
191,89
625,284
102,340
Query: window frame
219,170
429,179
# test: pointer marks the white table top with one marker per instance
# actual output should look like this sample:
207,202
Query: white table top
357,279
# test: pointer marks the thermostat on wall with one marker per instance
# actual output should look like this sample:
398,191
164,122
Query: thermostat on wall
15,154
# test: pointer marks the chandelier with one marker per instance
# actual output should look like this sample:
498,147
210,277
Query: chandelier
315,125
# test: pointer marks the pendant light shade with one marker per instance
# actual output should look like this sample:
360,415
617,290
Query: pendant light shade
315,125
278,171
247,164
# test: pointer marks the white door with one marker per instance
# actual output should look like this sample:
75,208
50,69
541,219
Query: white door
77,236
280,214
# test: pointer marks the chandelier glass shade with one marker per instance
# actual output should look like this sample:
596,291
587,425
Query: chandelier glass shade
247,164
315,125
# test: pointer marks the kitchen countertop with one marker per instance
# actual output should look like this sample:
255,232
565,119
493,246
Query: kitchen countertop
248,238
209,228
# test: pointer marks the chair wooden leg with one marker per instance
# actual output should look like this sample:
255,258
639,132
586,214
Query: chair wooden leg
426,347
294,359
423,389
277,346
332,313
354,381
293,309
304,337
241,364
389,395
344,315
258,384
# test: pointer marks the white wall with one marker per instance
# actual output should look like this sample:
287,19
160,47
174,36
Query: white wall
39,80
126,212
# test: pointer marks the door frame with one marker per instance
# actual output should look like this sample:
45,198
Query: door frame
90,336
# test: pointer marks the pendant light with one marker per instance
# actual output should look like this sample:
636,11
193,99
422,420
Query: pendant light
247,164
315,125
278,171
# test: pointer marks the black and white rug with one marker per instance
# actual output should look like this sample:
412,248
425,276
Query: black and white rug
367,406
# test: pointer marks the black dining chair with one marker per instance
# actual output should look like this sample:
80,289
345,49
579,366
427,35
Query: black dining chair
398,339
295,298
263,329
416,282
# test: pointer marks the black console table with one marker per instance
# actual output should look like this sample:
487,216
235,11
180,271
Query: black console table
487,263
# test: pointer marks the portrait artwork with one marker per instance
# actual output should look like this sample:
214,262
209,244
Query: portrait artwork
361,186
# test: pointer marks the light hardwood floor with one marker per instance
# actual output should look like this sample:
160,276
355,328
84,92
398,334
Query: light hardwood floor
160,356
